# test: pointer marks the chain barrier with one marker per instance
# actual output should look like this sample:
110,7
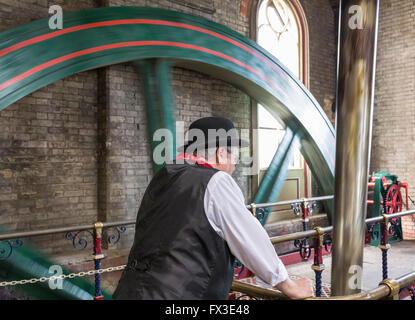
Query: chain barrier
63,276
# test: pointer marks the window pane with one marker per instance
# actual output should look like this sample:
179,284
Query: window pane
297,161
268,143
278,32
266,119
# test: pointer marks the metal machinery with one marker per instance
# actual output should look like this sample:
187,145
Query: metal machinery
154,41
386,198
32,56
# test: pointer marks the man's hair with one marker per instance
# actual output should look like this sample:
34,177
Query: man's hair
209,153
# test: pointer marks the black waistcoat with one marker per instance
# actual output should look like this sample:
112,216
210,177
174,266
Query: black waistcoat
176,253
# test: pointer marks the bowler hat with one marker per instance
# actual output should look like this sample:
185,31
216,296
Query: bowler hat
213,132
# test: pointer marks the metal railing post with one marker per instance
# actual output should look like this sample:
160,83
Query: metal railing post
97,256
318,265
384,245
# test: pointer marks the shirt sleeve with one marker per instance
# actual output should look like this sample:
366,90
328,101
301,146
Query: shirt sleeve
248,241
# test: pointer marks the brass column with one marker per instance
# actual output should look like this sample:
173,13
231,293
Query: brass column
355,96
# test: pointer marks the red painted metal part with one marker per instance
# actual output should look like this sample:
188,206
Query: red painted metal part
394,196
98,245
97,257
394,199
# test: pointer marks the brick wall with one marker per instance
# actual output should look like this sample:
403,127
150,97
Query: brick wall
48,158
14,13
48,145
322,52
394,110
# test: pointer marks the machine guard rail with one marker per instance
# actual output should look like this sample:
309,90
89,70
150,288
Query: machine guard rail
386,288
130,222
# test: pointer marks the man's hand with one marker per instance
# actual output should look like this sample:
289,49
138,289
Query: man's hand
296,289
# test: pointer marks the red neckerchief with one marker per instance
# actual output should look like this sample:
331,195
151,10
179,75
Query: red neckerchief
194,158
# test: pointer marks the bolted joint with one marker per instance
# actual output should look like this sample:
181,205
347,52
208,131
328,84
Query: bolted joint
296,207
320,235
253,209
393,286
98,229
318,267
384,246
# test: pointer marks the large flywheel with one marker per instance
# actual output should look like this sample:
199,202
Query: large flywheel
33,56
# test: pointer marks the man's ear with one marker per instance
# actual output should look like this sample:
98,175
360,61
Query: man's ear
219,154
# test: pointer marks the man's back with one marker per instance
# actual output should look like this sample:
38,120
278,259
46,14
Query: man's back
176,253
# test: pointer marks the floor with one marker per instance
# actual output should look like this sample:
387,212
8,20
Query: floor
401,260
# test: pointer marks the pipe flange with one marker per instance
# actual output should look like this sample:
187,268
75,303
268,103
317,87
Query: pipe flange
318,267
393,286
98,228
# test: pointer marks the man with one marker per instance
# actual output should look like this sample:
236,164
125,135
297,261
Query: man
192,222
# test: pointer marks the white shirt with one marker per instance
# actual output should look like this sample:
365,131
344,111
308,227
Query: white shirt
248,241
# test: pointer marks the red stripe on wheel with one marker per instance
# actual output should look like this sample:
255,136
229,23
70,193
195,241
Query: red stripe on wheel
132,21
128,44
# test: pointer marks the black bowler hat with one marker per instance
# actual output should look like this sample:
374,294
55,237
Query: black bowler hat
214,123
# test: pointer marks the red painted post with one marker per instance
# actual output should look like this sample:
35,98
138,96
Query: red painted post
318,265
97,256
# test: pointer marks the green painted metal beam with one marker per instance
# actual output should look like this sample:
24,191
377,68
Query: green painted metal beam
274,178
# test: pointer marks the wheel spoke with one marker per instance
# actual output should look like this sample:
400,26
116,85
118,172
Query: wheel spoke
160,111
274,177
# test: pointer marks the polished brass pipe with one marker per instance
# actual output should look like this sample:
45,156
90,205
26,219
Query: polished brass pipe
355,97
277,239
406,280
283,203
382,291
293,236
256,291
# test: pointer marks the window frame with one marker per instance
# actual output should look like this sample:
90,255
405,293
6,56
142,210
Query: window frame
303,37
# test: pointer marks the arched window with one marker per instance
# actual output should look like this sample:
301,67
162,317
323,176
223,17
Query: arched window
281,28
279,33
